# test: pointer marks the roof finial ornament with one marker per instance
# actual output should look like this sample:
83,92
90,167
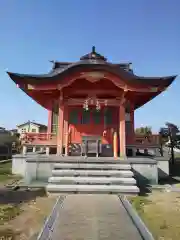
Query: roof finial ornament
93,55
93,49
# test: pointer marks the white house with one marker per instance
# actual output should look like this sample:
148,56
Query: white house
31,127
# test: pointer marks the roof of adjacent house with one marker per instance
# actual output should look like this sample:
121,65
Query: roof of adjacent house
32,122
13,130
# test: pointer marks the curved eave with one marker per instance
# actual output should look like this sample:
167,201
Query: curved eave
140,100
58,75
38,98
158,81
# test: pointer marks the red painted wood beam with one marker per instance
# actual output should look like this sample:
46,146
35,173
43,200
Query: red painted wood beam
119,84
95,92
43,87
78,101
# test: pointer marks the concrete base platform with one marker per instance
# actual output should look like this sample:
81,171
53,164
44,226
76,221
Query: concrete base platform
41,167
55,188
33,184
92,166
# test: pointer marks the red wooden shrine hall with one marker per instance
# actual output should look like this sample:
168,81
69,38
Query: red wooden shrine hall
90,99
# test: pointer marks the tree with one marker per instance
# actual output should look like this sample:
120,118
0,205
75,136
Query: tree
146,131
170,133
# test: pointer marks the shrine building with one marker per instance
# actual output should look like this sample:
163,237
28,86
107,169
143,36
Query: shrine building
91,105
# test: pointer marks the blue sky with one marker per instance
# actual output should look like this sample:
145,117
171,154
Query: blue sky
146,33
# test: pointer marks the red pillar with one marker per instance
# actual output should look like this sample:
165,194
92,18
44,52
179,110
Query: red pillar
122,131
49,129
66,126
132,123
60,132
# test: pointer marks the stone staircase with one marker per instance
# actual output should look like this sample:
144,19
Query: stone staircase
88,175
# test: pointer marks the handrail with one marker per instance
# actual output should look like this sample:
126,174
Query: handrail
39,134
31,138
45,136
149,140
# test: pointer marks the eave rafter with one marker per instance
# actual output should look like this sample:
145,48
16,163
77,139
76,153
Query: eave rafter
93,77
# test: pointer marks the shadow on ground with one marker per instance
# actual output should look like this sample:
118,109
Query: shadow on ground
9,196
144,190
174,174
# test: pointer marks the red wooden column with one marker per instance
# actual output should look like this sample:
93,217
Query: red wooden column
66,126
49,129
60,132
122,131
132,123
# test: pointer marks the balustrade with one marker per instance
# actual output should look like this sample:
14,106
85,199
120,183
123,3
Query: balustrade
39,138
147,140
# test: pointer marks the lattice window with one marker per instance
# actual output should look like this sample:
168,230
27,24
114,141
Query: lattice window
96,115
74,116
86,117
108,116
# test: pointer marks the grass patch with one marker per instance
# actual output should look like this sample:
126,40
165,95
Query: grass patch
8,212
177,155
10,234
24,220
160,213
6,173
5,168
22,213
139,203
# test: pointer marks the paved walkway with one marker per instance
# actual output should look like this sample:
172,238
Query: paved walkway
94,217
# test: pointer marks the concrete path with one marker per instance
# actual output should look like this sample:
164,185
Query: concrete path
94,217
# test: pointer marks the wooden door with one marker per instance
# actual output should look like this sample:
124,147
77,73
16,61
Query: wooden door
92,123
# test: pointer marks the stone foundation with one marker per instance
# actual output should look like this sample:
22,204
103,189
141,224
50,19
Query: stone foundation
39,167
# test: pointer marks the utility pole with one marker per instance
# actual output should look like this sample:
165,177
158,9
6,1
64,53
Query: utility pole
171,145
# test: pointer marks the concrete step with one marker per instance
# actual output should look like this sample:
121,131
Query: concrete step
92,166
92,180
80,159
53,188
85,173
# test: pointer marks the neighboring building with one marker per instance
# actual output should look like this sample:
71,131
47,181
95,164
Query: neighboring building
13,131
7,139
2,129
31,127
90,99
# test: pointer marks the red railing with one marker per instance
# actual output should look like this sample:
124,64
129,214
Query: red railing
147,140
51,139
39,138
